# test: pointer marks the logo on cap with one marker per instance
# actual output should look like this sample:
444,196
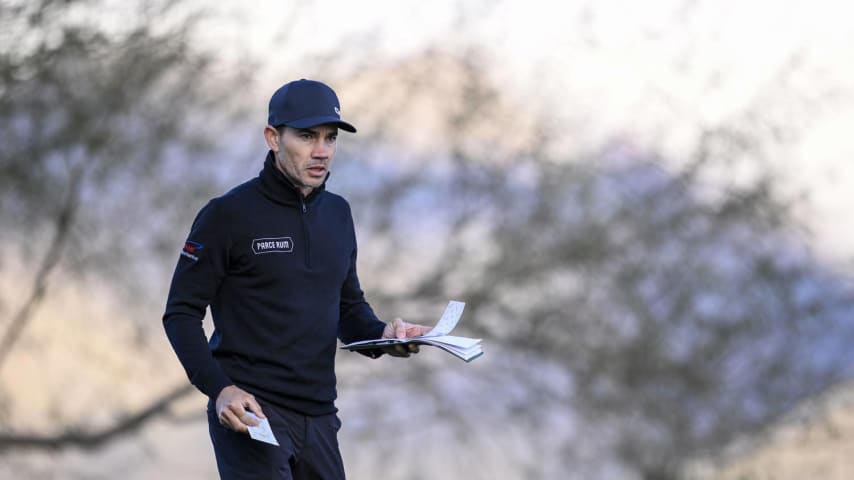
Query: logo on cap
304,104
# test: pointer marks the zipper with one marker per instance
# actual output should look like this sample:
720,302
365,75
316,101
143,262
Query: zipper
306,240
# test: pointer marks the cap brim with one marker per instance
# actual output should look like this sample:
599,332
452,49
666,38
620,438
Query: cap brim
315,121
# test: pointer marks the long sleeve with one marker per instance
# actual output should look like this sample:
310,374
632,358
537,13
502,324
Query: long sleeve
200,269
358,321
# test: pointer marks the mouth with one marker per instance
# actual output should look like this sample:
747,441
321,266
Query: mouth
316,170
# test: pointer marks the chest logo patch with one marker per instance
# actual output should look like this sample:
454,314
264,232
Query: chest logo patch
272,245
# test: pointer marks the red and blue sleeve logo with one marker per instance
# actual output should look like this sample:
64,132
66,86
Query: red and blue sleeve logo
192,250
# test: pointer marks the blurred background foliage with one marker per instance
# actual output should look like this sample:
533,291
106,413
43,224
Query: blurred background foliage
642,309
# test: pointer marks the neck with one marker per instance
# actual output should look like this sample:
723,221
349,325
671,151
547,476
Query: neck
305,190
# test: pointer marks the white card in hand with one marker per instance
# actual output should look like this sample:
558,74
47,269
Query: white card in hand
262,432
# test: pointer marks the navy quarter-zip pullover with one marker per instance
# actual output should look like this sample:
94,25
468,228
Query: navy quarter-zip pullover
279,273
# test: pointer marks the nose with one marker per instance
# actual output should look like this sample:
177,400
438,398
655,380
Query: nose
322,149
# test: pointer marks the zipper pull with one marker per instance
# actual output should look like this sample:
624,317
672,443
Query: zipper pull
302,202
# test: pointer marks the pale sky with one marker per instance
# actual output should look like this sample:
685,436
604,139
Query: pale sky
650,71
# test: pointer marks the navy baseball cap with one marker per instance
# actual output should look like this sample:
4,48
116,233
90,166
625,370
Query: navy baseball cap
306,103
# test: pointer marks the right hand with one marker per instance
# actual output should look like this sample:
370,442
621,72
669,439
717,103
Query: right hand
400,329
231,405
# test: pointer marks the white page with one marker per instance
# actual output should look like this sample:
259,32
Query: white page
462,342
448,322
449,319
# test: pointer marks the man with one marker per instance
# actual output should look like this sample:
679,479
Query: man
275,259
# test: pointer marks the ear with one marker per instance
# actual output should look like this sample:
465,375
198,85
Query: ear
272,137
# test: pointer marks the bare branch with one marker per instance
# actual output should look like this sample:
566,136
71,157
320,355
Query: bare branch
63,222
91,440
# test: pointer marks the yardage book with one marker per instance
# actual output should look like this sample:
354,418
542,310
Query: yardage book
463,347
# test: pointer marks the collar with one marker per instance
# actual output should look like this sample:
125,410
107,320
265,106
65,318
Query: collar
275,186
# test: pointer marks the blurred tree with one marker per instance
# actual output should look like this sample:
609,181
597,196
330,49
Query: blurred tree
104,112
686,312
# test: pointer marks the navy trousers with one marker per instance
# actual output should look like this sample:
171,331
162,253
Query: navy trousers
308,447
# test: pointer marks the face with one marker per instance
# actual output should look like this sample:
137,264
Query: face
304,155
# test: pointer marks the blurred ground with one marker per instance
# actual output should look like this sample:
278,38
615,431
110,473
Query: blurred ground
814,442
162,450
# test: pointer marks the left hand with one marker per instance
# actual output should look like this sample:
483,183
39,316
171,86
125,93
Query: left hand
400,329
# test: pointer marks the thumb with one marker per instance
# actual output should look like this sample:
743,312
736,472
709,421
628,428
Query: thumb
399,328
255,408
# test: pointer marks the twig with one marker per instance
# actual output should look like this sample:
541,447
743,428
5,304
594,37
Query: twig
91,440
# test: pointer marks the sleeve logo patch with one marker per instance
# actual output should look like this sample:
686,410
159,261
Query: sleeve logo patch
192,250
272,245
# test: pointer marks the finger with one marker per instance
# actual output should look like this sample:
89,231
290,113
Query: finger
229,420
415,330
239,412
401,350
254,407
399,328
248,420
391,350
413,348
411,330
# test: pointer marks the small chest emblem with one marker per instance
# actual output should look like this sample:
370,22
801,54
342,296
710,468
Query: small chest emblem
272,245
